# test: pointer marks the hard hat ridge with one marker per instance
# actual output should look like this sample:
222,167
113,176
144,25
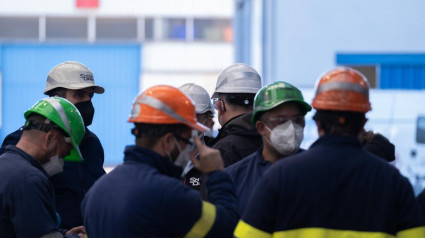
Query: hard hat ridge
342,89
238,78
165,104
66,116
275,94
71,75
200,97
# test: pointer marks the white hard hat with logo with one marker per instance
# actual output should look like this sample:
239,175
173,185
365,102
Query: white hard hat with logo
199,95
238,78
71,75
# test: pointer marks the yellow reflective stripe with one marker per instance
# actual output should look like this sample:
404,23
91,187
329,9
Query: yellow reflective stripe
330,233
204,224
412,233
245,230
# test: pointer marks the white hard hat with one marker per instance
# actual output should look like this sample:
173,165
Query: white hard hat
238,78
200,97
71,75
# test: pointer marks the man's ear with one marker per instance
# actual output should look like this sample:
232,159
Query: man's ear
50,137
167,142
320,131
221,106
261,127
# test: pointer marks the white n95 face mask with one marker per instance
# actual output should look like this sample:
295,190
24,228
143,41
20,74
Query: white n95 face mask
54,166
286,138
184,156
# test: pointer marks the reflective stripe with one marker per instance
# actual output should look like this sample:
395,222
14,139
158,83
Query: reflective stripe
157,104
205,222
412,233
342,86
330,233
240,75
245,230
55,103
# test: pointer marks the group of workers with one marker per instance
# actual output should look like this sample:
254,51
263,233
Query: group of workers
251,180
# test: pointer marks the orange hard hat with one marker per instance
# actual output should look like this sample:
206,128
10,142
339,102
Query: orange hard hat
164,104
342,89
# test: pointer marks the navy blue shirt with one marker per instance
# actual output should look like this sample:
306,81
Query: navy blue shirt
335,188
144,197
76,179
245,174
26,196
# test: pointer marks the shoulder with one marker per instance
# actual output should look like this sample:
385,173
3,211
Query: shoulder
240,165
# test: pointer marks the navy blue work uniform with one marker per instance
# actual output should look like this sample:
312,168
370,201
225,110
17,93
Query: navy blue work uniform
334,189
237,139
26,196
144,197
76,179
245,174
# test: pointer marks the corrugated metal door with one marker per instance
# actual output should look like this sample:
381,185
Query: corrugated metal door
402,77
24,69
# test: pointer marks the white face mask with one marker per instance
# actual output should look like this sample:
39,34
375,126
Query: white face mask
209,133
286,138
183,158
54,166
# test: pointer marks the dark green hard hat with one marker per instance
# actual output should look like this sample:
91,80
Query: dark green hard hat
274,94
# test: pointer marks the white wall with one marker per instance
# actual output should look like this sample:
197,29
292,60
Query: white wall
308,34
219,8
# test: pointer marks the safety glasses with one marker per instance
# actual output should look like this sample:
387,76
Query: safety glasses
189,143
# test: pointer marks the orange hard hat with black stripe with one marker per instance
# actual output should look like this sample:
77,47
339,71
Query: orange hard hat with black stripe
342,89
165,104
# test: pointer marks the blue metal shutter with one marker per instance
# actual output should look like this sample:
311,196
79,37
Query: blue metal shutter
115,67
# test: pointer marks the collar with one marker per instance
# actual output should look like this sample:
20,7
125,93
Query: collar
335,140
22,154
137,154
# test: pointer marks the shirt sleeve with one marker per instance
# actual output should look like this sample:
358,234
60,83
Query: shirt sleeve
259,216
410,220
33,214
188,216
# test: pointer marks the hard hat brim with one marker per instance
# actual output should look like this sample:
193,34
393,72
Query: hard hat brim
97,89
198,126
75,154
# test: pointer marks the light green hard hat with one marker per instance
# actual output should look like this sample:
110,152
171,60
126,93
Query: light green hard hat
273,95
66,116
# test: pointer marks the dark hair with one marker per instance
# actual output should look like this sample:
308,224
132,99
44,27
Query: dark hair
245,100
60,92
41,123
151,133
340,122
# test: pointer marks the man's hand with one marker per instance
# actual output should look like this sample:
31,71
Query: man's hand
79,230
209,159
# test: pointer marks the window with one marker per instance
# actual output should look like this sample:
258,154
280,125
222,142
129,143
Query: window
66,28
369,72
149,29
213,30
19,27
174,29
116,28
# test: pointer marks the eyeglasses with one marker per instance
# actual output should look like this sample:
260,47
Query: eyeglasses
186,141
215,100
274,121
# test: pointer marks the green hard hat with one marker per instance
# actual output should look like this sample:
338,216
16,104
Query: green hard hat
66,116
274,94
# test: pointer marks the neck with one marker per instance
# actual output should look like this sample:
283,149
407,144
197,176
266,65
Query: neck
228,115
33,149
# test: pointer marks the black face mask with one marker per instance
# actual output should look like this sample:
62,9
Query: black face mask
86,110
